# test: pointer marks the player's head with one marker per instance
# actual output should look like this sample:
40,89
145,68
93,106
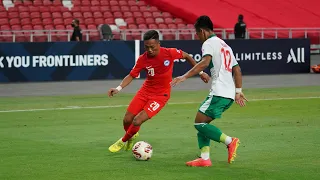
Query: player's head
204,27
151,42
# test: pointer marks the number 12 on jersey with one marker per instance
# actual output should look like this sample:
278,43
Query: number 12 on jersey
226,59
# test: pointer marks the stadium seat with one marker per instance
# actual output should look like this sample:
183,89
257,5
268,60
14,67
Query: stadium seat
85,9
140,20
25,21
150,21
92,26
3,14
97,15
56,15
87,15
86,3
96,9
132,26
134,9
159,20
115,9
16,27
23,9
88,21
48,14
125,8
113,3
95,3
137,14
37,21
153,26
35,15
130,20
68,21
99,21
132,3
142,26
147,14
144,9
14,21
109,21
105,8
107,15
67,15
104,3
13,15
163,26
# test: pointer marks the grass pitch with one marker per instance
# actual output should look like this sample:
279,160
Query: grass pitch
279,138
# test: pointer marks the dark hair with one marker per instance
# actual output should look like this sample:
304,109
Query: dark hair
203,22
152,34
240,17
76,21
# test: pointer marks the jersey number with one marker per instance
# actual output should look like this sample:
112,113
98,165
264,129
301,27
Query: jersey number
151,71
226,59
154,106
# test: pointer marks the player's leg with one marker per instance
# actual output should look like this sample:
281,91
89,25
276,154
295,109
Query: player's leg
135,107
212,108
203,143
151,108
135,125
127,121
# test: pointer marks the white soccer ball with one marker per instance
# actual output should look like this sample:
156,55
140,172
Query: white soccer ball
142,151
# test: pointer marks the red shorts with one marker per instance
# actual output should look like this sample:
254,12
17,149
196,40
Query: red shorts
151,104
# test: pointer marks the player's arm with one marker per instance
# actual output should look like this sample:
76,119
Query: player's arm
237,76
240,98
125,82
187,57
203,64
128,79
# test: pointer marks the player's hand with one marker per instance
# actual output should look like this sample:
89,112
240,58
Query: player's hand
241,99
112,92
177,80
205,77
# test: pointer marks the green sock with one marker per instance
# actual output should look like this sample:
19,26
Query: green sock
210,131
203,140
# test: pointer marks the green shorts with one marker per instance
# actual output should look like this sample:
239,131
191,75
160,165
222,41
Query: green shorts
214,106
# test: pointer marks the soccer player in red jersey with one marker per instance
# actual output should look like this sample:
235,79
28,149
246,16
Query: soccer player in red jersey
152,97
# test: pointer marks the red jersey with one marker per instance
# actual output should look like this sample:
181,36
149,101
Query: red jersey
159,70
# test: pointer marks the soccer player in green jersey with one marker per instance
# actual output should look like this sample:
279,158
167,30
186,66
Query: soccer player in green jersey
219,57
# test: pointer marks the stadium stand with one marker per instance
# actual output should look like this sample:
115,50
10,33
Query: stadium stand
129,18
54,15
262,14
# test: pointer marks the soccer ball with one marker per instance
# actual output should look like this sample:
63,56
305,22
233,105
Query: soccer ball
142,151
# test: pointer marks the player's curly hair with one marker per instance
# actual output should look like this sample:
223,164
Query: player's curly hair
152,34
203,22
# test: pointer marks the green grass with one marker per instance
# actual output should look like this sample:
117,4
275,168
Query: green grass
280,138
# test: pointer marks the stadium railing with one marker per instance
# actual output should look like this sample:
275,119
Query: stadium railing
169,34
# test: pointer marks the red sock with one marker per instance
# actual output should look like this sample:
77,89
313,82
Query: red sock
126,127
131,131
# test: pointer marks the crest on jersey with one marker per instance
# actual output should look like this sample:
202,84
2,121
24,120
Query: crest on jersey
166,63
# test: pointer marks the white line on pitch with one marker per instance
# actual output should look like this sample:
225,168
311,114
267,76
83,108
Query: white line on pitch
117,106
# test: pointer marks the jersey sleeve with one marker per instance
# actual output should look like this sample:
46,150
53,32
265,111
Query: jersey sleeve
137,67
175,53
207,50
